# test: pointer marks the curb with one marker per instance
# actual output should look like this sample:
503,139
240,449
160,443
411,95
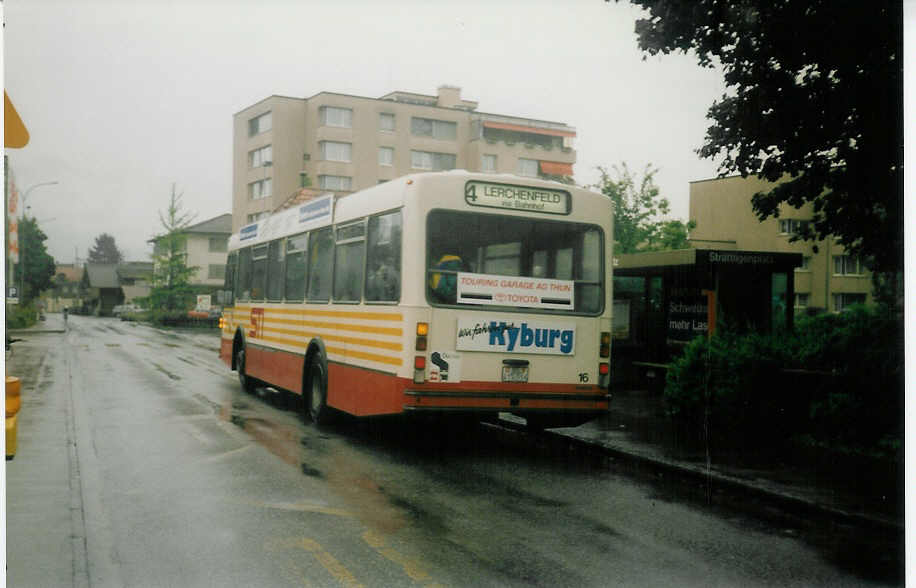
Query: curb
718,479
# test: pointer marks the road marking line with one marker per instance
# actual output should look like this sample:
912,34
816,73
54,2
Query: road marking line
330,563
411,568
298,507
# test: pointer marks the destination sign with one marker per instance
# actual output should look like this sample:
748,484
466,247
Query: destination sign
529,198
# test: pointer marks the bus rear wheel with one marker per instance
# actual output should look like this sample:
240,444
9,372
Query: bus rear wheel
317,392
245,380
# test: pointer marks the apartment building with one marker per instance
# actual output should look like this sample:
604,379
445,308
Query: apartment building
828,279
341,143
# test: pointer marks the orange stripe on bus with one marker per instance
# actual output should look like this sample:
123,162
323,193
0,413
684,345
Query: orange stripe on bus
390,345
337,350
394,331
371,316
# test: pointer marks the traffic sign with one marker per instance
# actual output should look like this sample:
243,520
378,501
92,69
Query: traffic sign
15,135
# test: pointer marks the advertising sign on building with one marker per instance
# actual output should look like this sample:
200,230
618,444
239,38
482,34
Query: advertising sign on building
515,291
687,315
513,335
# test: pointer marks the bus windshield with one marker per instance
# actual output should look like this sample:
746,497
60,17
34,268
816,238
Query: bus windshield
553,254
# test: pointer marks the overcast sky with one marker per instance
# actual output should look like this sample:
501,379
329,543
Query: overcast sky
124,98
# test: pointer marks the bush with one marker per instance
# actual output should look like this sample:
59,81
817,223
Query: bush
837,382
725,393
20,317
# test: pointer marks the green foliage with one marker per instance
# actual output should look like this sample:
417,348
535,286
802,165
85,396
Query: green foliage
104,250
21,316
821,111
836,381
171,289
34,259
637,211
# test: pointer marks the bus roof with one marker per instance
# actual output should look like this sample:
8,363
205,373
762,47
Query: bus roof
328,209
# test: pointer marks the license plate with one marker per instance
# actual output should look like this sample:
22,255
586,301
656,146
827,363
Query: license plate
513,373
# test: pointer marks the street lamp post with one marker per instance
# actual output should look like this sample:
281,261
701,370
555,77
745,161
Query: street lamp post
22,247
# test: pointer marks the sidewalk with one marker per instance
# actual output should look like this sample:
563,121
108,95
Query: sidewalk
53,323
637,429
44,531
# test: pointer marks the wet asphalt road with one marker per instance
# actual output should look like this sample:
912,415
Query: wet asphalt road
178,478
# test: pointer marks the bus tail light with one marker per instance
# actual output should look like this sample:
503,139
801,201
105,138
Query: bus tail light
605,344
422,332
419,369
604,375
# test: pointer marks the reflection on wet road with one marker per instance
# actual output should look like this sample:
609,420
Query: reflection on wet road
199,483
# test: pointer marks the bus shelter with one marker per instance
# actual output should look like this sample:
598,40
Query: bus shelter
663,300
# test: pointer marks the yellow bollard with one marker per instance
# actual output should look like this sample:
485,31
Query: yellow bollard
13,402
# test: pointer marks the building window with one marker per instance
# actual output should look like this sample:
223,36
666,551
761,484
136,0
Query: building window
216,271
260,157
256,217
791,226
801,300
488,163
437,129
528,167
259,189
217,245
843,301
806,264
386,121
334,151
432,161
386,155
335,182
332,116
847,265
259,124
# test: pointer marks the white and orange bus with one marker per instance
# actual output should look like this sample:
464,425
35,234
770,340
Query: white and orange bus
448,293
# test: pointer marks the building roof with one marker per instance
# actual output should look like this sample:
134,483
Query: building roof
103,275
217,224
135,269
70,271
298,197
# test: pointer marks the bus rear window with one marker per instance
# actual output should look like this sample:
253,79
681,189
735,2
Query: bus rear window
510,246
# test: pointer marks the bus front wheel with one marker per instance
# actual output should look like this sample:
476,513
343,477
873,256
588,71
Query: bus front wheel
317,391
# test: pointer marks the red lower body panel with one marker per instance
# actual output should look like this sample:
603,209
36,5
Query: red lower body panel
364,392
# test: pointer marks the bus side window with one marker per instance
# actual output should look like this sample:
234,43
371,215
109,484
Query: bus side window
383,266
258,271
243,284
275,255
296,248
321,256
348,262
229,283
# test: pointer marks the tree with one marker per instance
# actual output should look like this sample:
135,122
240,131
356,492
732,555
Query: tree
171,274
105,250
39,267
814,101
637,211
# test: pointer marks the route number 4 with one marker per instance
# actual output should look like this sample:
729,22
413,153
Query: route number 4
257,323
